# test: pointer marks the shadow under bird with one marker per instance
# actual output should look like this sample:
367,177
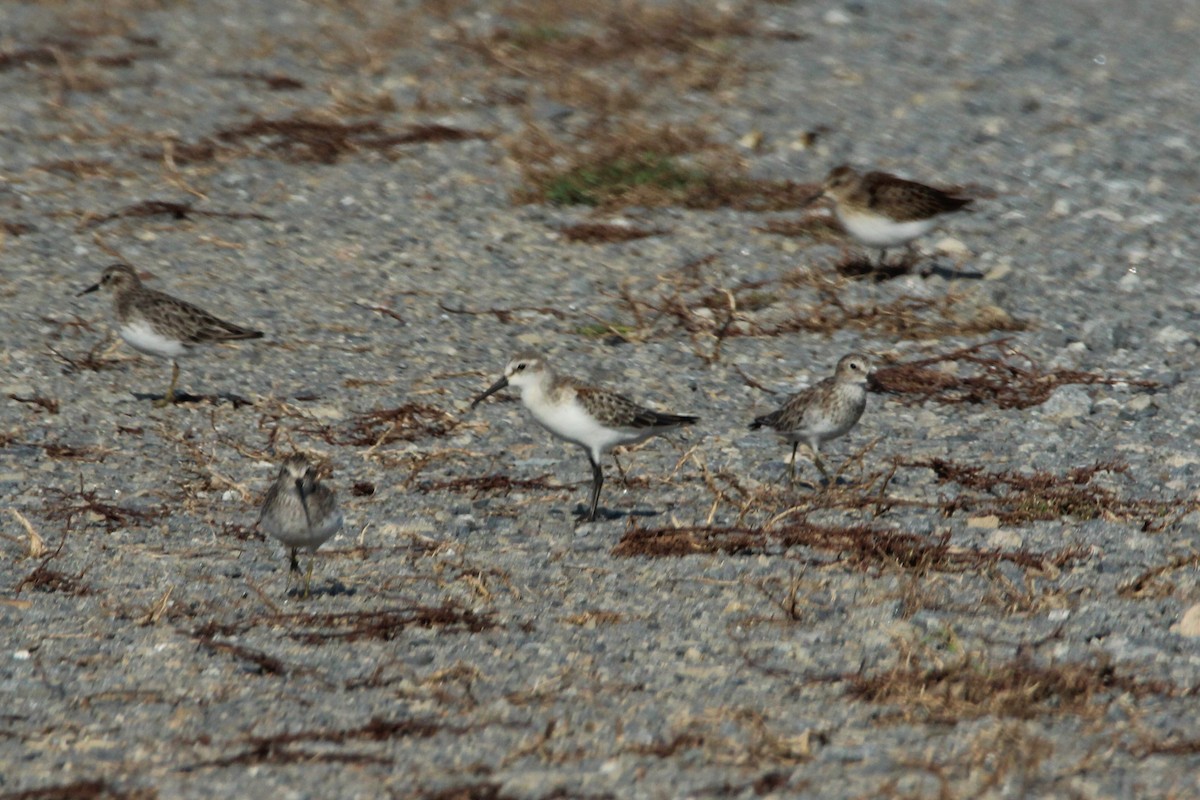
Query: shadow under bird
157,324
880,210
823,411
593,418
300,511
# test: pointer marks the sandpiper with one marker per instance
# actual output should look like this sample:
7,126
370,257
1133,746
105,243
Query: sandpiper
300,511
158,324
595,419
880,210
822,412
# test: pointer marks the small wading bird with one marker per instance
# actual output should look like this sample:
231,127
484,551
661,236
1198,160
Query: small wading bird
300,512
157,324
880,210
595,419
822,412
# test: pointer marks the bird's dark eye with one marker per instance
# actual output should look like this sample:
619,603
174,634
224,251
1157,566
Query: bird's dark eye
521,367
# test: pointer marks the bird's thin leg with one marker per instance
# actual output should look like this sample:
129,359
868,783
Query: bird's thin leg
597,482
620,469
308,577
792,467
882,256
816,456
169,397
293,568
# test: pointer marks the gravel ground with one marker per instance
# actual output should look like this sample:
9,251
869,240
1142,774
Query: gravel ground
986,604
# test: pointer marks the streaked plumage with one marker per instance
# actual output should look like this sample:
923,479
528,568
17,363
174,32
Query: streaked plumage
595,419
822,412
157,324
880,210
300,511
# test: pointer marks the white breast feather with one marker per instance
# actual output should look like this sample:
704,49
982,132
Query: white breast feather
877,231
142,337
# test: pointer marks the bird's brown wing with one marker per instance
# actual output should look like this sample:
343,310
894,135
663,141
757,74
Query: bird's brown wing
618,411
908,200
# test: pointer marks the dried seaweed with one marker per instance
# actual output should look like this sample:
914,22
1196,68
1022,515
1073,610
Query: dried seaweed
66,505
1150,583
1004,377
82,790
91,360
858,545
47,404
383,625
405,423
15,228
485,484
1020,688
1018,498
180,211
45,579
601,232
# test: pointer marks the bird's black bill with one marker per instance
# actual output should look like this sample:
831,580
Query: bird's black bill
812,199
491,390
89,290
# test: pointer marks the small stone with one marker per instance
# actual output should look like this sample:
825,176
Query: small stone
752,140
1067,402
1189,624
1005,539
952,247
989,521
1001,270
836,17
1171,334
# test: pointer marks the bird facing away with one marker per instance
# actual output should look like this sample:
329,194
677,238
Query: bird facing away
300,511
822,412
880,210
158,324
595,419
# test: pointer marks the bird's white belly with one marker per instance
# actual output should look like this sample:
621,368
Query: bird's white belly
142,337
569,421
878,231
304,537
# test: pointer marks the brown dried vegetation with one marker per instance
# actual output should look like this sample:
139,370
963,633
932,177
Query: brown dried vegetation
922,689
686,299
860,546
1151,583
71,506
352,626
636,46
601,233
405,423
1002,376
1017,498
485,484
177,211
311,137
82,790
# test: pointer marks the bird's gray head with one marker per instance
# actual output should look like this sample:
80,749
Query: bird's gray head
297,469
840,180
523,370
115,278
853,368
